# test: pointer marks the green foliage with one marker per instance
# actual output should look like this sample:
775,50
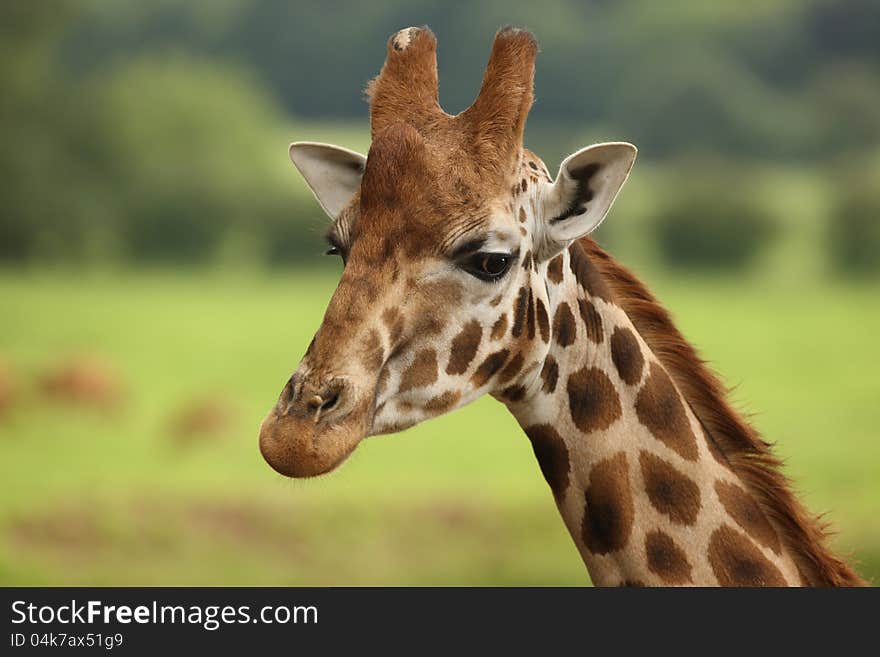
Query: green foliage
193,149
746,78
155,131
711,229
854,232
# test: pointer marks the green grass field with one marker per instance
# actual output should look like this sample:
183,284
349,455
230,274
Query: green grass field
98,497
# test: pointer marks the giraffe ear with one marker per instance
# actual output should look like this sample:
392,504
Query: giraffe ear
332,173
585,188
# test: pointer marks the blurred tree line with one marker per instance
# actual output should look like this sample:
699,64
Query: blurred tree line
155,131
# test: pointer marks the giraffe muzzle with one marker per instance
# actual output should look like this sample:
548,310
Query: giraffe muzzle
313,428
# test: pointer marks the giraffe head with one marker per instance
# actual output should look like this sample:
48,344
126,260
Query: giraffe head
446,230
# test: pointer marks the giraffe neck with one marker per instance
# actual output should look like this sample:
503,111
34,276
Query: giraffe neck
646,497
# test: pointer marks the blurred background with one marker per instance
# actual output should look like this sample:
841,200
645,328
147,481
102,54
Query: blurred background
160,273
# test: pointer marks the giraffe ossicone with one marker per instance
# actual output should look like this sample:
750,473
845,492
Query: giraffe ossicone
467,271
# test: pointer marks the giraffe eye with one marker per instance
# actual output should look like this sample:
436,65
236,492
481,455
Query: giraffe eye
488,266
335,249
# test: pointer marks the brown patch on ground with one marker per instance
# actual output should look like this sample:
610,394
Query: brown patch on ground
8,388
149,525
74,530
83,381
451,515
247,523
202,420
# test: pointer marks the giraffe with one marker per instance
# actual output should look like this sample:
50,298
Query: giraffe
469,270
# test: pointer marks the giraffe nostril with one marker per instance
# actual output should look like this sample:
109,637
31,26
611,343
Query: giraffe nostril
316,401
323,404
330,402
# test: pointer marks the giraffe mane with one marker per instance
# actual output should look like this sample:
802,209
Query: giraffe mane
748,454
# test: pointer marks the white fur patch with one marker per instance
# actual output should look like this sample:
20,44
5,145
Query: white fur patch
402,38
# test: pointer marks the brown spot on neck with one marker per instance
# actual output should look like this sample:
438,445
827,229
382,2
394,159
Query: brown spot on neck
489,367
627,355
587,274
549,375
552,455
593,402
666,559
747,514
660,409
564,328
736,561
444,402
511,369
671,492
554,269
609,510
514,393
543,320
592,321
519,312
